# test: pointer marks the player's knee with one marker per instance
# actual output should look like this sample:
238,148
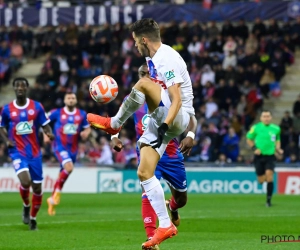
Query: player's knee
69,167
37,188
25,183
143,174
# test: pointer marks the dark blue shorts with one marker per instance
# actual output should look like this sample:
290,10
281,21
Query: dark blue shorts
173,172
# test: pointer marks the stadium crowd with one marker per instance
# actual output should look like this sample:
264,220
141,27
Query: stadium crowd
233,67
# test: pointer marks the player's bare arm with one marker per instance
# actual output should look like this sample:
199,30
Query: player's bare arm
48,131
175,96
3,134
85,133
187,143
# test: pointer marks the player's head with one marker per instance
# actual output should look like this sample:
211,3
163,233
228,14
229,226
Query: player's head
70,100
266,117
145,32
20,85
143,71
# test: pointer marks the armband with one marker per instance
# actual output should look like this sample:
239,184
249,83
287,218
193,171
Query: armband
254,148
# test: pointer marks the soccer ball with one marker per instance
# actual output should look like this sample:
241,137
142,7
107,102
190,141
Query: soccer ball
103,89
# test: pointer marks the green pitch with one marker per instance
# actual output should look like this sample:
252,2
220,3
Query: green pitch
113,222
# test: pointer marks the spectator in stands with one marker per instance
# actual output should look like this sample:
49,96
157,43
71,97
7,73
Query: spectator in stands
259,29
194,46
105,153
229,60
287,121
207,75
242,30
212,30
296,123
210,108
296,106
230,145
266,79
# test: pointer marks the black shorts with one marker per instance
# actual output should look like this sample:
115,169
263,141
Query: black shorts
263,163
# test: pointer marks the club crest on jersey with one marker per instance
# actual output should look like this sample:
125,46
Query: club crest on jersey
152,70
31,112
169,75
70,129
77,117
145,121
24,128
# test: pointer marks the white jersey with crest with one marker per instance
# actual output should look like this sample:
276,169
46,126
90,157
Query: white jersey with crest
167,68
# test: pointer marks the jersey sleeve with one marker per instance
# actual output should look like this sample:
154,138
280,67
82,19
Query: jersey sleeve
85,123
171,73
4,117
251,134
42,116
53,114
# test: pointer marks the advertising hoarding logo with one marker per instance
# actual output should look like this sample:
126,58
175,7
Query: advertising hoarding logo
110,182
289,183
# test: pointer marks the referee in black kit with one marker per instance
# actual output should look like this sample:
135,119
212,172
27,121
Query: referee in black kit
264,140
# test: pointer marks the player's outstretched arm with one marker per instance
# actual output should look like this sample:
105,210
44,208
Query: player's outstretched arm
85,133
187,143
48,131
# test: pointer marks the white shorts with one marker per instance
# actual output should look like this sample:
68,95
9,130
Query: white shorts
159,115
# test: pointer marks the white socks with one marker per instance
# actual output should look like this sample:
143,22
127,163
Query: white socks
132,103
156,196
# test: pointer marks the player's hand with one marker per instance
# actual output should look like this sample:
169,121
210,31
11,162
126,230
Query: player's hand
10,144
117,144
279,151
162,129
84,134
257,152
50,136
186,145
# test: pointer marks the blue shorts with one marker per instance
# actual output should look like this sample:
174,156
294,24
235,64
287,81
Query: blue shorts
173,172
34,166
63,156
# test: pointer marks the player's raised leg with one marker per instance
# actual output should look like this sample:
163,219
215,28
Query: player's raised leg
66,170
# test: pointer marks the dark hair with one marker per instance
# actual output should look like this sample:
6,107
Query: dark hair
146,27
20,79
142,73
69,93
266,111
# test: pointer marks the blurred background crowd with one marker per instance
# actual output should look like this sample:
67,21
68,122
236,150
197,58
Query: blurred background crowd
233,67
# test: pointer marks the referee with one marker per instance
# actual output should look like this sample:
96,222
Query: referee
264,140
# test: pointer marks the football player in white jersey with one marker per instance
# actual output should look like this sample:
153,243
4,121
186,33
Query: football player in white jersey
170,108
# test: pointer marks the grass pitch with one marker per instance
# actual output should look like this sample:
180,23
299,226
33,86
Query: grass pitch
113,222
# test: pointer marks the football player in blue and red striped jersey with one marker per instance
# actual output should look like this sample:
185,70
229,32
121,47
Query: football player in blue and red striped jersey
22,119
69,125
